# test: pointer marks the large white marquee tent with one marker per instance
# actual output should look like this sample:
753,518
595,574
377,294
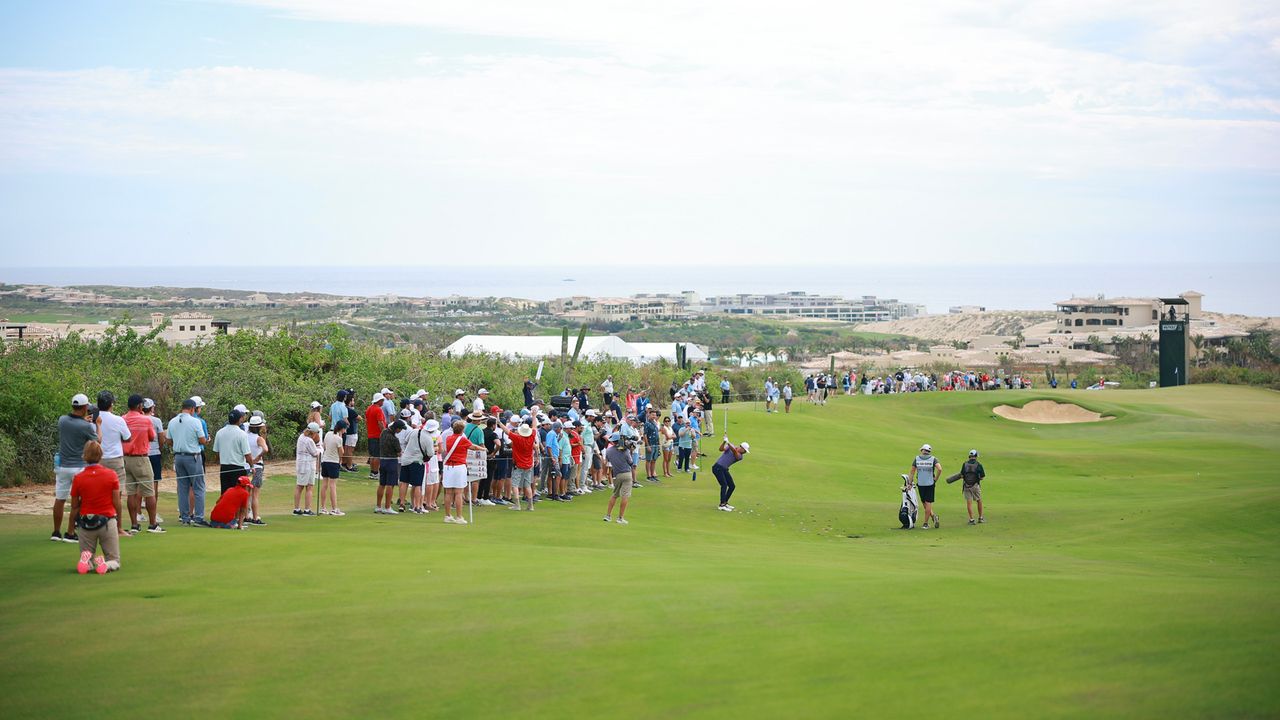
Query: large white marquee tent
533,347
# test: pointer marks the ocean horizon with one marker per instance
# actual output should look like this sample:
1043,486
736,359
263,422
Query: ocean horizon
1247,289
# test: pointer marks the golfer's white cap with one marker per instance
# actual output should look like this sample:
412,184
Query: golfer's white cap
386,392
313,427
926,446
241,408
973,453
482,391
458,392
315,403
746,447
420,393
378,396
199,401
148,403
79,400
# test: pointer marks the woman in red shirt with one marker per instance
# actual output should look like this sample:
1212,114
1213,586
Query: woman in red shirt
95,503
455,472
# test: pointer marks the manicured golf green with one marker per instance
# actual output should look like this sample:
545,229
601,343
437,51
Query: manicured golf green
1129,568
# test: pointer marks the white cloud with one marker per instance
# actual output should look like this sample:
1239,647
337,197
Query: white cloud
660,104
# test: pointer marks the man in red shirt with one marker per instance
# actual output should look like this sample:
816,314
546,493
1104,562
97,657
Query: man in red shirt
575,451
139,480
523,442
95,503
375,420
232,506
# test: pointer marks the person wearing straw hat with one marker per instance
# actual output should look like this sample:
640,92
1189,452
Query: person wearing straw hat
306,452
729,454
925,470
523,450
258,449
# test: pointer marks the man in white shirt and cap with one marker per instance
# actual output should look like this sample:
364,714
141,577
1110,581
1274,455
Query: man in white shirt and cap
480,403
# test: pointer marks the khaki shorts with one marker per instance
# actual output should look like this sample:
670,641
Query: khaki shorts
138,477
116,465
972,492
622,485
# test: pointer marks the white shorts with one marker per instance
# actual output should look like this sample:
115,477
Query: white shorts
351,440
62,481
455,476
307,475
433,473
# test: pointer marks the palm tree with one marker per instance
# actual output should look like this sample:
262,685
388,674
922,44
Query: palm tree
1198,342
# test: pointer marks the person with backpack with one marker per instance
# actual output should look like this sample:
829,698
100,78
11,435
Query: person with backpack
417,448
972,473
925,470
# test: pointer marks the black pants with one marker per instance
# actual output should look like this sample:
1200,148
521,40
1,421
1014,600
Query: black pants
726,482
229,475
486,485
724,397
682,459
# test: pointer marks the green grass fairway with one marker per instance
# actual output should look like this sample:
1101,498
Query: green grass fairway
1129,569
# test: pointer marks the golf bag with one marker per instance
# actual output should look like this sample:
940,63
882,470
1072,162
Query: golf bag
910,503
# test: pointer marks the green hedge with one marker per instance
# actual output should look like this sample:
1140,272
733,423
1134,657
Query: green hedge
278,373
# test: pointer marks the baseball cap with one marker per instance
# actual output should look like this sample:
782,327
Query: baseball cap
79,400
556,425
973,453
385,392
189,404
615,437
746,447
315,403
199,401
376,397
242,408
148,403
313,427
458,392
246,480
233,417
926,448
406,413
482,391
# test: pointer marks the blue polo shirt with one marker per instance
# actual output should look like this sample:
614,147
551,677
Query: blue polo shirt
185,431
337,411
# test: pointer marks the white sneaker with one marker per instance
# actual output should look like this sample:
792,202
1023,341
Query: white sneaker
623,522
390,511
606,519
159,519
377,510
324,511
486,502
448,519
731,507
460,521
337,513
695,467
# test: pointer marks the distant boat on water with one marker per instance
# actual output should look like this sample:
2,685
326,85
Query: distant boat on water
566,279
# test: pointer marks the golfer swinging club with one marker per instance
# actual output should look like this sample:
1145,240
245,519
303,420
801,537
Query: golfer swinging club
729,454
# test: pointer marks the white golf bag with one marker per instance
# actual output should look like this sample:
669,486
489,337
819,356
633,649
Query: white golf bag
910,503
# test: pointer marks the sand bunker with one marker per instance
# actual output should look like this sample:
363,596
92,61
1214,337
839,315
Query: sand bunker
1048,412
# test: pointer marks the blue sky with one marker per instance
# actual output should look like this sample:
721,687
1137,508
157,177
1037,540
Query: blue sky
313,132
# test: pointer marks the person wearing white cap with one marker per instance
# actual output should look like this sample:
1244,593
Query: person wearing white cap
187,436
388,407
925,470
314,416
973,473
307,452
258,448
74,430
480,401
459,407
729,454
431,491
376,420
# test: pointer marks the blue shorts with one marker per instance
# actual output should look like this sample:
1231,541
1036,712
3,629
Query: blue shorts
413,474
389,473
651,452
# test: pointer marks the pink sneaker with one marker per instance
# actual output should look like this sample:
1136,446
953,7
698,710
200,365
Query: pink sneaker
100,565
82,567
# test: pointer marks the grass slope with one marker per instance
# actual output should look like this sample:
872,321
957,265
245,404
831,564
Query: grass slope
1129,569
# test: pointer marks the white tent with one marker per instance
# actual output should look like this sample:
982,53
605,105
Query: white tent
652,352
532,347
